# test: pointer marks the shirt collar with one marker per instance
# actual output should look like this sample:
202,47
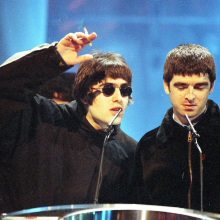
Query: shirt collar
194,122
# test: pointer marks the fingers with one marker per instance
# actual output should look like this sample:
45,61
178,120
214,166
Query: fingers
72,44
81,38
92,36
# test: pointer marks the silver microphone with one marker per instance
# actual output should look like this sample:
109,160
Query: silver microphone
193,129
99,180
111,122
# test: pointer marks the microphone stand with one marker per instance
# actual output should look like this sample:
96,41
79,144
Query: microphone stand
194,137
109,132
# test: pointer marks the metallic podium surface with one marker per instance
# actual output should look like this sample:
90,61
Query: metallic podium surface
109,212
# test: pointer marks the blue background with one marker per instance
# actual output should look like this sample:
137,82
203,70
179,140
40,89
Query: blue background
143,31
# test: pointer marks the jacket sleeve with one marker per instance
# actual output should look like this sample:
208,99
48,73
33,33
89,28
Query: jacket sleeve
23,74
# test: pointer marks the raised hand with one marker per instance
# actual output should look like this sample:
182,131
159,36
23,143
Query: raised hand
71,44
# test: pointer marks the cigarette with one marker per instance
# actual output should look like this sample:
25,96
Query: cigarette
86,33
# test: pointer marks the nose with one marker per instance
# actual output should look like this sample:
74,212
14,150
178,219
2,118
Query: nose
190,94
117,95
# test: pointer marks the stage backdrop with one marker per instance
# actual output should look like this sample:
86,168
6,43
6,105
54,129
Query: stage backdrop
143,31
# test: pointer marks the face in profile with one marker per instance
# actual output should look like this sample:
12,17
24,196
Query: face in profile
188,95
105,105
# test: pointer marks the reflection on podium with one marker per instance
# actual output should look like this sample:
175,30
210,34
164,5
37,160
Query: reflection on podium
109,212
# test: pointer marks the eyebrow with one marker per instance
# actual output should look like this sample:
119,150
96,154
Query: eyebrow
180,84
109,83
186,84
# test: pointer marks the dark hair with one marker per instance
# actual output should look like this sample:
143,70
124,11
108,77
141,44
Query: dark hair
189,59
94,71
61,84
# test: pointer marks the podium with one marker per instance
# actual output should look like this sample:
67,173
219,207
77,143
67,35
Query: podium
109,212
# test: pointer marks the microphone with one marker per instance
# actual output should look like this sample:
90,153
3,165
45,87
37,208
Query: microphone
193,129
110,123
99,180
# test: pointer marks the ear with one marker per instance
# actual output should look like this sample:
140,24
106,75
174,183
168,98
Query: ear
211,89
84,101
166,87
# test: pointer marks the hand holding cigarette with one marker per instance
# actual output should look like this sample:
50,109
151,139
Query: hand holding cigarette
86,33
70,45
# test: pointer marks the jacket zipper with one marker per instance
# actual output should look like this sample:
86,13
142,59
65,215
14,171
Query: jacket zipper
190,168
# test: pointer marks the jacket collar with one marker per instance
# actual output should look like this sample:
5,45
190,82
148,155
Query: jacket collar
86,128
169,127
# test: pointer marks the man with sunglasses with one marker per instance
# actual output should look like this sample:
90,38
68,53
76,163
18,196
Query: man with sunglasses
50,153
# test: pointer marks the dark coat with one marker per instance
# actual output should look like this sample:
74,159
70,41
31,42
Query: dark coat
49,153
162,162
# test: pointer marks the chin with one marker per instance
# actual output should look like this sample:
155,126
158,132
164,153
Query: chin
117,121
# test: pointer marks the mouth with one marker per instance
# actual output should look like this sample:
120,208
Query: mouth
190,107
116,109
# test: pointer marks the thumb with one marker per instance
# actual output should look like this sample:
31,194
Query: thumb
83,58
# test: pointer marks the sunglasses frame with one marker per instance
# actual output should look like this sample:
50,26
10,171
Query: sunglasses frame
112,86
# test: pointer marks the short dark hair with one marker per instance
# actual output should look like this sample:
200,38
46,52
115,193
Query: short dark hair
91,72
189,59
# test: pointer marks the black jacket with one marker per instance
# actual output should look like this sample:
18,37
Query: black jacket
49,153
162,162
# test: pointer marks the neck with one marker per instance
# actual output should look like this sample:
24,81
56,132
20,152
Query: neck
184,121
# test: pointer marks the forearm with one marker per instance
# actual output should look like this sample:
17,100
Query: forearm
23,73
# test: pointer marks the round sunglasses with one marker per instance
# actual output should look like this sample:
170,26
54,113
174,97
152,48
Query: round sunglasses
109,90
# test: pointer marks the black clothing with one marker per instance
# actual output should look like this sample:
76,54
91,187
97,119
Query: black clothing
49,153
162,158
